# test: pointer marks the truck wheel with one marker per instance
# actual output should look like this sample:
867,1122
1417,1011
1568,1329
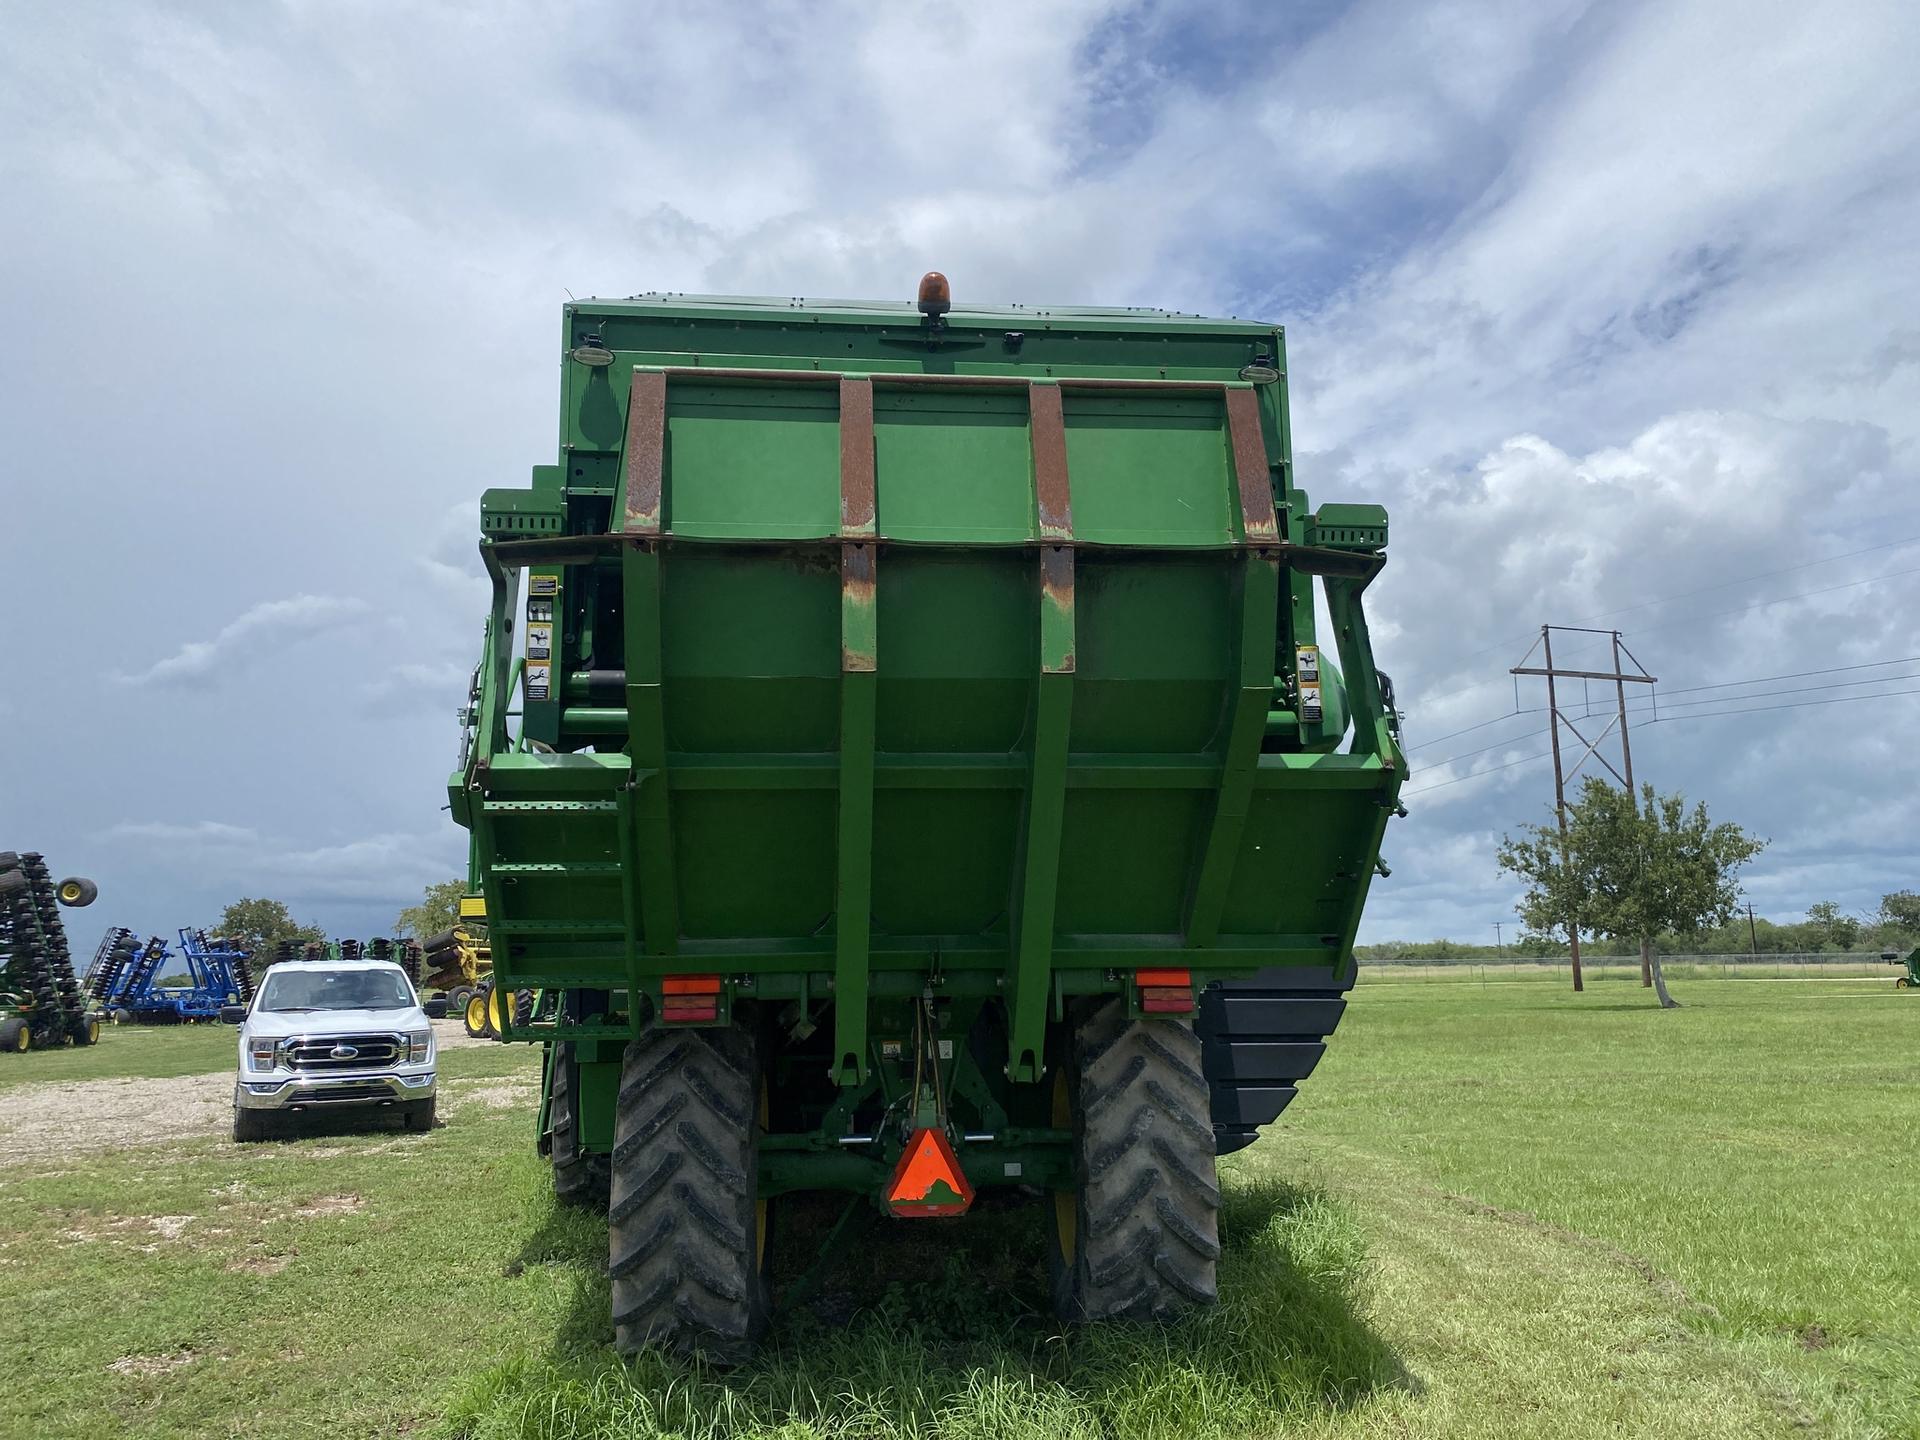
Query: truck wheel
417,1115
14,1035
686,1232
1138,1237
250,1125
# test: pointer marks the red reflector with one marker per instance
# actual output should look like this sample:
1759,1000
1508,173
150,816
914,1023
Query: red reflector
693,1008
1167,1001
1181,978
928,1180
691,985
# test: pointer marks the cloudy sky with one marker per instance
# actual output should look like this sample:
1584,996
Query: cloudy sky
1614,305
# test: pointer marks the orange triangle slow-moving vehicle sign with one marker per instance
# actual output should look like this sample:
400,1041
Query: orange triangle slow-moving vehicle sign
928,1180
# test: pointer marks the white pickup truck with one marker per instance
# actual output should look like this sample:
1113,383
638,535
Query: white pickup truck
332,1035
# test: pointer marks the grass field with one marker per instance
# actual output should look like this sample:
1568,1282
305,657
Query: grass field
1496,1210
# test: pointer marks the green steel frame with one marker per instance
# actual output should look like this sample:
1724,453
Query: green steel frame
859,657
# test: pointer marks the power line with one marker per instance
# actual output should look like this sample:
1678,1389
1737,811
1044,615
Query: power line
1792,675
1790,705
1458,779
1795,690
1497,745
1664,691
1465,729
1702,715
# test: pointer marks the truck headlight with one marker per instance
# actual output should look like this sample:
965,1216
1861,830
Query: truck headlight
419,1046
260,1053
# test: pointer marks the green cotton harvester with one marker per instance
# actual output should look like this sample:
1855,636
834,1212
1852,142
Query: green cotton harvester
905,759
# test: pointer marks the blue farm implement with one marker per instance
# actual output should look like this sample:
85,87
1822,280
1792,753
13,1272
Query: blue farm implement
128,978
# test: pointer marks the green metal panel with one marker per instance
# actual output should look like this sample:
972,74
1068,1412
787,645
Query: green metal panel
881,650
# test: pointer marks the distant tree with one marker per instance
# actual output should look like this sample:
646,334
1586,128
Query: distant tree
1630,870
1901,910
435,913
258,926
1834,924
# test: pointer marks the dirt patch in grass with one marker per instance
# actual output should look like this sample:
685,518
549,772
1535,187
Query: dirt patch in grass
143,1366
259,1264
492,1094
45,1122
326,1205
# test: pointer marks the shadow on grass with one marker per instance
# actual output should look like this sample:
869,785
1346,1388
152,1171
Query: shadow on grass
943,1329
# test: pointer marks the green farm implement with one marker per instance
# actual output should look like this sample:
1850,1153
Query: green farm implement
906,759
42,1004
1910,980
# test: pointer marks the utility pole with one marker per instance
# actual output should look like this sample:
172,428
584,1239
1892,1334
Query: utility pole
1753,939
1499,945
1564,775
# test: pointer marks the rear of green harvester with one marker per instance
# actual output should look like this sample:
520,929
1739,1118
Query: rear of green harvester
906,760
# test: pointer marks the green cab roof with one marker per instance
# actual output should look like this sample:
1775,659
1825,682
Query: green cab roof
867,312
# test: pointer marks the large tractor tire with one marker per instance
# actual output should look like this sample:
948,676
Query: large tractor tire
578,1178
76,892
686,1231
1137,1237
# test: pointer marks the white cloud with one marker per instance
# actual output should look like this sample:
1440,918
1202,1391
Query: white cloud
198,832
259,631
1607,303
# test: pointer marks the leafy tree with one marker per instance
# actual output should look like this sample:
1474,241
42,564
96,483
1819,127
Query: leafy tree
1834,924
435,913
1901,910
1630,870
258,926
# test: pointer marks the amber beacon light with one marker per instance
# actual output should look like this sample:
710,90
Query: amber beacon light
936,296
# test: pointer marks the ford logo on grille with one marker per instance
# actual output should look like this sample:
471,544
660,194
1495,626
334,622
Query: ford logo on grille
342,1052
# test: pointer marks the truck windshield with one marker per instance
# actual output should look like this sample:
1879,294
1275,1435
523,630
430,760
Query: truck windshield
305,988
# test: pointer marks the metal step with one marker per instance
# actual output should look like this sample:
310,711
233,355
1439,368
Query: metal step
1259,1037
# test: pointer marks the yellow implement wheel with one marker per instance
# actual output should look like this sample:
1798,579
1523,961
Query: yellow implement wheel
19,1036
476,1016
91,1031
497,1002
1902,983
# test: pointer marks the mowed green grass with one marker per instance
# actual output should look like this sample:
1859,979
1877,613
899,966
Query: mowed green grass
1496,1210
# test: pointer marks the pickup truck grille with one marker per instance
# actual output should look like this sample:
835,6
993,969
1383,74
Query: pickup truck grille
323,1054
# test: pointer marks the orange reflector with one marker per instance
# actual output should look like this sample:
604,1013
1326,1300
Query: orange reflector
1144,978
691,985
928,1180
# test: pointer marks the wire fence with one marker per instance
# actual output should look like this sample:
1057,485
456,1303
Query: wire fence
1595,969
